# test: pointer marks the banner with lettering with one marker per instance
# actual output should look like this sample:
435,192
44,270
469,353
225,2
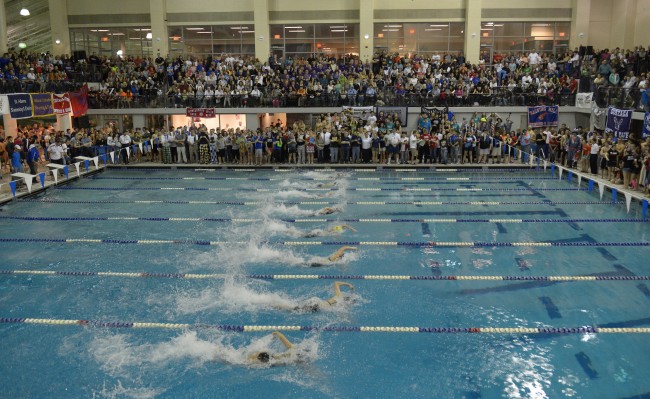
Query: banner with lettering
402,113
584,100
543,115
646,126
200,112
4,105
42,104
20,106
61,103
79,101
618,122
437,115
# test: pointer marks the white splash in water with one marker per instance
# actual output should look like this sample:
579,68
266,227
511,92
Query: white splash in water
116,355
234,297
119,391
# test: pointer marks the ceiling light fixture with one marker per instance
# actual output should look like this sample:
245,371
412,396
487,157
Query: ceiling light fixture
24,12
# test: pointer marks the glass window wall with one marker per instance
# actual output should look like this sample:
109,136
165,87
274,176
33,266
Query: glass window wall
511,38
313,40
212,40
422,38
108,41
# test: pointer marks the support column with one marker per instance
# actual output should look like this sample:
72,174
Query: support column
580,23
11,125
472,47
59,24
262,30
3,28
366,29
63,122
159,32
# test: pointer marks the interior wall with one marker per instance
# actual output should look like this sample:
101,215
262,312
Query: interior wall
642,25
84,7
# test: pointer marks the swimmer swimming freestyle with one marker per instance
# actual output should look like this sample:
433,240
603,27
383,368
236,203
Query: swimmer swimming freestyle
334,230
336,256
322,305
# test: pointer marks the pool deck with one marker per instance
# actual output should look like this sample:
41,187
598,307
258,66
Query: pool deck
6,194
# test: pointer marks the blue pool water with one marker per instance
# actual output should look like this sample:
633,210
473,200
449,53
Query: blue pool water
257,223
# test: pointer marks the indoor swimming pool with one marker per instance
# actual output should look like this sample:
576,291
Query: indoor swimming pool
457,284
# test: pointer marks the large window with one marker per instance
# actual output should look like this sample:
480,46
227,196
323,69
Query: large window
108,41
517,37
214,40
424,38
309,40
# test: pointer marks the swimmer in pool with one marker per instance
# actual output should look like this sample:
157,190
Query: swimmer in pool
266,356
322,305
327,211
336,256
334,230
326,185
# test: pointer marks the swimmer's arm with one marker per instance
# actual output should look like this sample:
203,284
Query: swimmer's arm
338,285
283,339
347,226
340,252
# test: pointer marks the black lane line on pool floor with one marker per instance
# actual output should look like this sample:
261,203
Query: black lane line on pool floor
532,189
585,362
644,289
606,254
551,307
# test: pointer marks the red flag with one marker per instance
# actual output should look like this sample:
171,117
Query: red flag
61,103
79,101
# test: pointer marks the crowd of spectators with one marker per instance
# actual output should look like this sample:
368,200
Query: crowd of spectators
616,77
344,138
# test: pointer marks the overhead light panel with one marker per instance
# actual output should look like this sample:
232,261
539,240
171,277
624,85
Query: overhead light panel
25,13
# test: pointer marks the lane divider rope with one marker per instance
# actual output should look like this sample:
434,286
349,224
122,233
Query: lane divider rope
331,243
244,220
208,276
477,189
264,328
333,178
256,203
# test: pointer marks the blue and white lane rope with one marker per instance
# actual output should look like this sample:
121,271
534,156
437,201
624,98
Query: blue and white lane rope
244,220
369,189
333,178
265,328
258,203
455,244
212,276
524,169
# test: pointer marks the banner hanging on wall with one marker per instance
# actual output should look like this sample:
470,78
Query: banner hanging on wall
42,104
646,125
61,103
618,122
20,105
200,112
544,115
